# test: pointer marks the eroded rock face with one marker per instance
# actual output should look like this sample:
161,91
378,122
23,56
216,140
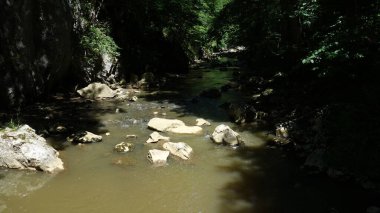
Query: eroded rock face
155,137
85,137
224,134
24,149
158,157
36,48
96,90
179,149
173,125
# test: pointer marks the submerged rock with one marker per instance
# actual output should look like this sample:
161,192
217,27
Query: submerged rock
158,157
134,99
22,148
121,94
155,137
224,134
242,113
179,149
96,90
123,147
131,136
85,137
202,122
172,125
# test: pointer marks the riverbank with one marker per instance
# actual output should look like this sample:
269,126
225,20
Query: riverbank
259,177
329,132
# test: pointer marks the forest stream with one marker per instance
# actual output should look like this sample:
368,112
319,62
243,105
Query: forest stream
253,178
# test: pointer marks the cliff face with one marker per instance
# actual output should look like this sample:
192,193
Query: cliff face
35,48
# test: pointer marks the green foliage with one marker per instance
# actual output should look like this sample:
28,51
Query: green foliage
12,124
307,12
98,41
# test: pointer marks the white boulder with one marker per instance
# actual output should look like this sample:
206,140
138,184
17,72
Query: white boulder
158,157
224,134
186,130
155,137
96,90
172,125
179,149
202,122
163,124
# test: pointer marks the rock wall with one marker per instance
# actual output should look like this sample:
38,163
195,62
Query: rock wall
35,48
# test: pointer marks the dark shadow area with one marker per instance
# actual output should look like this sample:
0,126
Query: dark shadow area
75,114
270,181
270,178
187,92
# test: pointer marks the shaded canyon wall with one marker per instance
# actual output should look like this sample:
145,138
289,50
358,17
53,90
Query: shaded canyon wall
35,48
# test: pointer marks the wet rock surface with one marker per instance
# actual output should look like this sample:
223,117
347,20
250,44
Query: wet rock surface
202,122
96,90
158,157
173,125
179,149
22,148
155,137
123,147
224,134
85,137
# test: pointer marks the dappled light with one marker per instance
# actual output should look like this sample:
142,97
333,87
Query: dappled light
190,106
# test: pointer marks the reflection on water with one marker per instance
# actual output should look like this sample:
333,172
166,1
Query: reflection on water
216,178
22,183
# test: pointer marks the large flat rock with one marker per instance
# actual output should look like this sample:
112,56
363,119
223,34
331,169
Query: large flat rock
173,125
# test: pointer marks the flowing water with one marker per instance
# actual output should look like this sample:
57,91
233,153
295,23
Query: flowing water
255,178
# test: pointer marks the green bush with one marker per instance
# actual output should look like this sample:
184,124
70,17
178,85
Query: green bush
97,41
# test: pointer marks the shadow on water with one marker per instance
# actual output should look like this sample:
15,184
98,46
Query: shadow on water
270,181
185,92
73,113
265,180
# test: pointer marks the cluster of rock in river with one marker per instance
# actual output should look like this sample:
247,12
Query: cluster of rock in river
222,134
22,148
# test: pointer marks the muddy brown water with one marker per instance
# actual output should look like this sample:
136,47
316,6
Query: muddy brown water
255,178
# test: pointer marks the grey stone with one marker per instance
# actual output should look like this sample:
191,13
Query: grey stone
85,137
123,147
179,149
224,134
158,157
155,137
22,148
173,125
96,90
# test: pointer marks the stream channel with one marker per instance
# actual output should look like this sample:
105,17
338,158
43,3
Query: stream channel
256,178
